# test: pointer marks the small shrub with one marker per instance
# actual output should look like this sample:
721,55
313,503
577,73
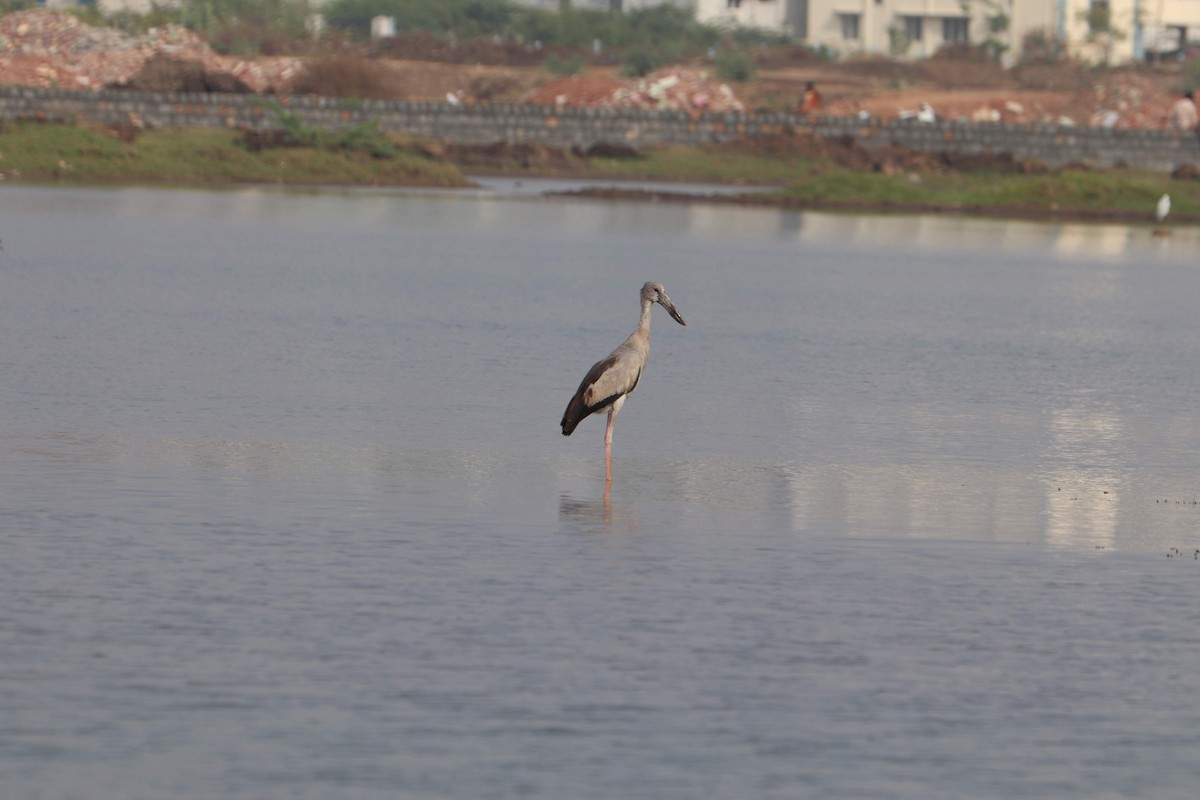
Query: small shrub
343,76
641,61
248,38
961,51
826,53
365,138
136,23
1191,74
734,65
898,42
1043,47
493,88
563,66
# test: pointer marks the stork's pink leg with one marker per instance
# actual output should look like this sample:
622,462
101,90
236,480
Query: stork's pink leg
608,429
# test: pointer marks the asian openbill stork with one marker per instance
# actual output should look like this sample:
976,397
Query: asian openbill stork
614,377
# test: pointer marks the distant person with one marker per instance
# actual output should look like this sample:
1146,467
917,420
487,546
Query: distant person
811,99
1183,116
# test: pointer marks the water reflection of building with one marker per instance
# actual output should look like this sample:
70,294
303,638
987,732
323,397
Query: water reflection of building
941,501
921,231
1108,240
1073,502
1081,496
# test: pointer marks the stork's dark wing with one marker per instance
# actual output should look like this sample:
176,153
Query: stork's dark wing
607,380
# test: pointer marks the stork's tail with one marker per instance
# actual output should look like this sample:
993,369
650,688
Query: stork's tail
575,412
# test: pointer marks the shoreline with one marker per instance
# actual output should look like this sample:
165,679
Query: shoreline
781,176
767,198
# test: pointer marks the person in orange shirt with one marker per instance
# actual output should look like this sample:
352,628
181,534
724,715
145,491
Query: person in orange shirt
811,100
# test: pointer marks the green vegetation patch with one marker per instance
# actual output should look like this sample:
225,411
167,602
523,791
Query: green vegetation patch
702,165
1121,193
816,183
34,151
49,152
1067,193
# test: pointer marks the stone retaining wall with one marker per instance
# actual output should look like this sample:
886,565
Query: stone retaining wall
582,127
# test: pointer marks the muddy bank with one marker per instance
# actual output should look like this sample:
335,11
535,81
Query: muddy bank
890,160
537,160
844,152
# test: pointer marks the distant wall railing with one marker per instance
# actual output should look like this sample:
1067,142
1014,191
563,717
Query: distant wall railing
1054,145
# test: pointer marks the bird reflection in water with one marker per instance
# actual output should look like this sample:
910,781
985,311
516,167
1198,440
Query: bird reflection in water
595,516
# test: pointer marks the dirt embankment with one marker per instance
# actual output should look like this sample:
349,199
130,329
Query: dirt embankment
1131,97
52,49
46,48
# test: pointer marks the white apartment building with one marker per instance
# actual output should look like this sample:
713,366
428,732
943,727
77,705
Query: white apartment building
1099,31
1113,31
1141,28
603,5
907,28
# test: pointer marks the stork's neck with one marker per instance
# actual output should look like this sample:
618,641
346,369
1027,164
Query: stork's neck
644,325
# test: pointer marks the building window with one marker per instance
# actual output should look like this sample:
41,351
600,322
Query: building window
914,28
954,29
849,26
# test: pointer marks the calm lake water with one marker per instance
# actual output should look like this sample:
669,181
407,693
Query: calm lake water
285,511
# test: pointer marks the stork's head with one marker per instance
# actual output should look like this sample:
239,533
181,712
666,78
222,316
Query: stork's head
653,292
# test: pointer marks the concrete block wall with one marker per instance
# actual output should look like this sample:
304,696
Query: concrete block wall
582,127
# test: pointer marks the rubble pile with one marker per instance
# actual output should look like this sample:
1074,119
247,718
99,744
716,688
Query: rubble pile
679,90
1120,99
38,32
1124,99
583,91
674,88
50,49
165,73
